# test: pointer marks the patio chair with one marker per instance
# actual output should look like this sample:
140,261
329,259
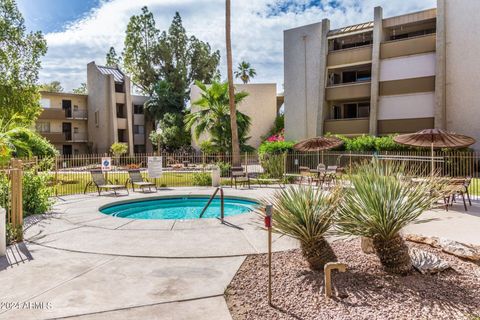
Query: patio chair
459,187
305,174
238,176
99,181
136,179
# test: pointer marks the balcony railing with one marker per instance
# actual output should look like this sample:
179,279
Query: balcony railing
348,91
77,114
80,137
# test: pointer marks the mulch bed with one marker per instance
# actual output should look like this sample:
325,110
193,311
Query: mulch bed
365,291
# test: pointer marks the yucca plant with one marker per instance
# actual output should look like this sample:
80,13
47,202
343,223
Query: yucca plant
380,203
306,214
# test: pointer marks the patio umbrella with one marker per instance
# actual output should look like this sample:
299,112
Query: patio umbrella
318,144
434,138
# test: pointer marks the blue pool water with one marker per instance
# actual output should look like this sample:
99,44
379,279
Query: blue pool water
178,208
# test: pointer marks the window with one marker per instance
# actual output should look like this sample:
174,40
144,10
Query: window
42,126
364,110
139,148
139,129
75,108
351,110
121,135
97,119
137,109
75,130
120,110
45,103
119,87
337,112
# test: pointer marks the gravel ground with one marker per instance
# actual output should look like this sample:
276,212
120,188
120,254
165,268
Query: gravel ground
365,291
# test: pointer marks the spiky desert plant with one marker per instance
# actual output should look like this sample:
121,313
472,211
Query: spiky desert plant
380,203
306,214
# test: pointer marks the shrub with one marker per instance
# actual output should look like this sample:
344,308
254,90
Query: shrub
207,147
380,203
306,214
224,168
271,157
275,147
36,193
202,179
118,148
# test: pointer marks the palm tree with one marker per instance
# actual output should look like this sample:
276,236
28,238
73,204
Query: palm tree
245,72
231,94
306,214
213,116
380,203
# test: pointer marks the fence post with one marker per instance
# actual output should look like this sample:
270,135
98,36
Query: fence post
16,197
56,175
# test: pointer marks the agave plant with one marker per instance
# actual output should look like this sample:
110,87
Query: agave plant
306,214
380,203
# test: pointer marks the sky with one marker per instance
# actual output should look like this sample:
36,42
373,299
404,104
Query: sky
81,31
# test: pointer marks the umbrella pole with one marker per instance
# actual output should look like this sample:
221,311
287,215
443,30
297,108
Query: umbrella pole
433,163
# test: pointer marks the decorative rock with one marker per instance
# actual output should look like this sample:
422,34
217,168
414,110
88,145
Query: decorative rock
367,245
462,250
426,262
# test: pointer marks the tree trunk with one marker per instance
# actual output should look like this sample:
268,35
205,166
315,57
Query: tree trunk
231,93
393,254
318,253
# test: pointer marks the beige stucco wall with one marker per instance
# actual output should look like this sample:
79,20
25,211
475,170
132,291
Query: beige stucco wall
463,68
302,60
260,105
99,88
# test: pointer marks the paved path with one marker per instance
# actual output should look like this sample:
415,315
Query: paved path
81,263
455,224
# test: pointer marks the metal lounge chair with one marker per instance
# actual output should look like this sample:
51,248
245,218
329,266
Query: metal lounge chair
136,179
99,181
237,175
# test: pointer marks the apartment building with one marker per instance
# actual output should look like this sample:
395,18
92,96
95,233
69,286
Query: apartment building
109,113
391,75
63,121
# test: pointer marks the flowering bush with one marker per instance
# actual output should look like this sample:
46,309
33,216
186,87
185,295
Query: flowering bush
277,137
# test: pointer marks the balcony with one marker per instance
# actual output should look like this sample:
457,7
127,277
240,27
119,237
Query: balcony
349,127
408,46
349,91
52,114
350,56
54,137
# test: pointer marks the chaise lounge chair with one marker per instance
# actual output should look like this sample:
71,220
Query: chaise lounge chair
98,179
136,179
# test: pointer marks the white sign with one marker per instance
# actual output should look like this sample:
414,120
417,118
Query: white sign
106,164
155,167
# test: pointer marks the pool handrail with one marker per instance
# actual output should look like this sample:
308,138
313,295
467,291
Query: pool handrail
221,203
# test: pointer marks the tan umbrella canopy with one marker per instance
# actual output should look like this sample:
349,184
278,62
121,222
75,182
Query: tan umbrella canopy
318,144
434,138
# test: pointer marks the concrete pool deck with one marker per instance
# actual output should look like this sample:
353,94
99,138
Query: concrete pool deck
77,262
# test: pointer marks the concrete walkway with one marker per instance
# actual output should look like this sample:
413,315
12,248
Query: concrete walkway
78,262
454,224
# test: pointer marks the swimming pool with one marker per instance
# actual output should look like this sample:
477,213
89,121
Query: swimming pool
178,208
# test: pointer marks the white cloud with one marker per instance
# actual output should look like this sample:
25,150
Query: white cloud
257,34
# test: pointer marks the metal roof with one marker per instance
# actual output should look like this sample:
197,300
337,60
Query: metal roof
351,29
117,74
